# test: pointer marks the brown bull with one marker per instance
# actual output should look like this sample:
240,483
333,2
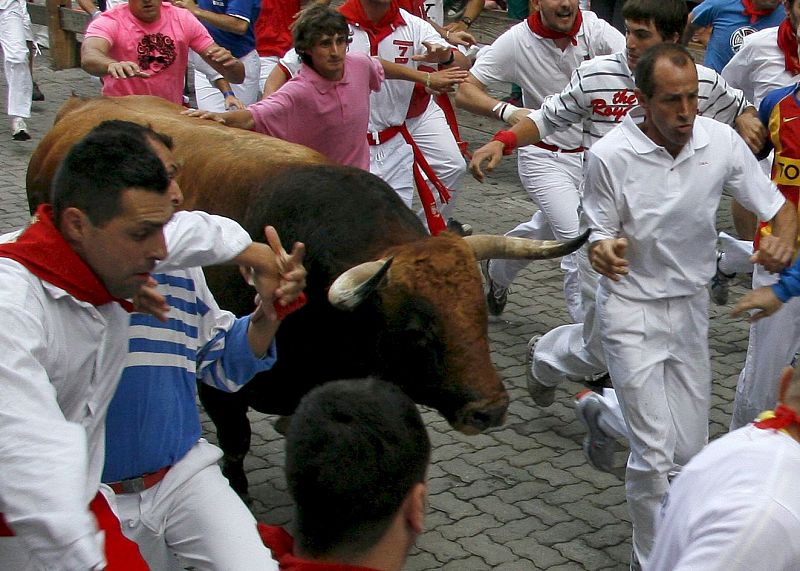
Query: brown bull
415,312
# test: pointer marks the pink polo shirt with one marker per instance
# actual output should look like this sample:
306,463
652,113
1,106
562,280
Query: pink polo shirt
160,48
331,117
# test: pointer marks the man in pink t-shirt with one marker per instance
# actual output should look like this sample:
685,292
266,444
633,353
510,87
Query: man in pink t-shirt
326,105
142,48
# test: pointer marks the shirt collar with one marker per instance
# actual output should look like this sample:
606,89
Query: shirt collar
642,144
321,84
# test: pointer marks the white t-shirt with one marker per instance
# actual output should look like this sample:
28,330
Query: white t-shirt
734,507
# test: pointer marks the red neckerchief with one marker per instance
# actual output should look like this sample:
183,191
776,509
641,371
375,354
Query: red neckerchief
784,416
787,42
282,546
755,14
537,27
45,253
354,13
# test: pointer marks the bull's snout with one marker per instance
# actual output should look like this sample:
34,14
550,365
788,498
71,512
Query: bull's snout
477,417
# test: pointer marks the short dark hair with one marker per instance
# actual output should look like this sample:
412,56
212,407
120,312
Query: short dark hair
677,54
354,450
668,16
106,162
129,127
313,23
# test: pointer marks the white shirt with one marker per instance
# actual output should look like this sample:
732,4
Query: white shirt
61,363
734,507
541,68
758,67
387,107
600,94
667,206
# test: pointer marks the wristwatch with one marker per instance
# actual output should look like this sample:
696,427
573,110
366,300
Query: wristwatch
467,20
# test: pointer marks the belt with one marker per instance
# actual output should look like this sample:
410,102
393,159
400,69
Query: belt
380,137
554,149
140,484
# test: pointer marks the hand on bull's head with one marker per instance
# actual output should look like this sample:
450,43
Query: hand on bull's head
278,276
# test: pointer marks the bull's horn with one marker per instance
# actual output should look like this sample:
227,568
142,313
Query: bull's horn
355,285
488,247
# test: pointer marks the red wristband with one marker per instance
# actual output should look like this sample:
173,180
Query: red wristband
284,310
508,139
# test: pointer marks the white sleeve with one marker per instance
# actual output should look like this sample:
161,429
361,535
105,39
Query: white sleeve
599,208
748,183
496,61
608,40
737,72
44,456
196,238
200,65
290,63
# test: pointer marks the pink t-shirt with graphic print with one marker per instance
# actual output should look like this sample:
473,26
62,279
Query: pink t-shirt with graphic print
160,48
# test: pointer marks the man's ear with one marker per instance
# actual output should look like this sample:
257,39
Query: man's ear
415,506
641,98
785,379
74,224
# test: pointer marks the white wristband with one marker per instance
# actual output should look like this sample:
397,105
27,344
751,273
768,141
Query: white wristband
508,111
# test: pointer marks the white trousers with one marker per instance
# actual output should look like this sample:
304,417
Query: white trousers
435,139
392,162
193,513
209,98
15,59
658,357
266,65
772,345
573,351
552,181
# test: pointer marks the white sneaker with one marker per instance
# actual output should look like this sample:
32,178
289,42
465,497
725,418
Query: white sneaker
19,130
597,446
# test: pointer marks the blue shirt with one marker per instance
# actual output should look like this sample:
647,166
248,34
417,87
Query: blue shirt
239,44
153,419
731,26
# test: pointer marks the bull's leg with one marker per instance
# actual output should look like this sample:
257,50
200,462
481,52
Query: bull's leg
228,412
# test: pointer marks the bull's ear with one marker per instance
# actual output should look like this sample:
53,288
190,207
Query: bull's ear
355,285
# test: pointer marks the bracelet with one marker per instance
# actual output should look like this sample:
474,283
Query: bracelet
228,93
447,35
428,79
450,60
509,140
467,20
284,310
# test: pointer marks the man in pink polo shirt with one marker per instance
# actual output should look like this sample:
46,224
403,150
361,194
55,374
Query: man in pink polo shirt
326,105
142,48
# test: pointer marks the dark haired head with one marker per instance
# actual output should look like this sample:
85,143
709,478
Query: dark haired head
314,23
354,451
108,161
676,53
129,127
668,16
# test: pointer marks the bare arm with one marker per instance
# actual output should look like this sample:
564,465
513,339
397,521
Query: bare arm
439,81
88,6
240,118
275,80
472,10
526,133
96,61
224,63
224,22
776,249
472,96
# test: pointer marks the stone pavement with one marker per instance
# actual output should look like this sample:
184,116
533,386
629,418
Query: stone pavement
519,497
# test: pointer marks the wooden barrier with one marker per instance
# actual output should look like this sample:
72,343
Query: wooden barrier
63,23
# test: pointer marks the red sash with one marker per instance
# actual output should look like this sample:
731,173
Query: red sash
537,27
